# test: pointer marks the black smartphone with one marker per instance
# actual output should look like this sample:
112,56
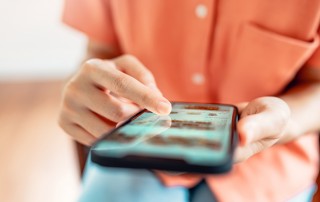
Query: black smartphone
194,137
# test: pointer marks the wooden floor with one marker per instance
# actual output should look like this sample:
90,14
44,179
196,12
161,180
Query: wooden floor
37,160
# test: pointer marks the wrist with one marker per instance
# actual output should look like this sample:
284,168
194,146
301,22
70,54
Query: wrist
291,131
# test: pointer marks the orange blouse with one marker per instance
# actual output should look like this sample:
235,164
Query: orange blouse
219,51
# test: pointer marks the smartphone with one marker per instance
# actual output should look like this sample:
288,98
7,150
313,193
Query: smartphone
194,137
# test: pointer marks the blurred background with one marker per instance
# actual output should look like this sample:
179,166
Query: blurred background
38,161
37,53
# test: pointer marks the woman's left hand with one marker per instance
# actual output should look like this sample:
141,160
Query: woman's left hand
262,123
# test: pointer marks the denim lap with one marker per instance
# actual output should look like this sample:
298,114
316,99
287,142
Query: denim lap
126,185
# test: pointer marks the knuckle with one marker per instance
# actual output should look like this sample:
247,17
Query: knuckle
96,67
71,95
66,116
74,85
69,114
121,84
93,62
129,57
96,63
75,94
146,75
91,65
70,87
120,113
69,129
63,120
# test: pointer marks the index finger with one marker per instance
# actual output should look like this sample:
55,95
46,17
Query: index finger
133,67
129,87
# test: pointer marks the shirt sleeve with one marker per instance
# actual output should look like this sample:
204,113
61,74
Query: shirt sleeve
92,17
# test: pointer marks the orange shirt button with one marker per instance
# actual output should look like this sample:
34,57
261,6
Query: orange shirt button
201,11
197,79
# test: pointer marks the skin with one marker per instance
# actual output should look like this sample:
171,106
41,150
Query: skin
109,90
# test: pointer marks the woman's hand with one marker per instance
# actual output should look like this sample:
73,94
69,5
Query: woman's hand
105,92
262,123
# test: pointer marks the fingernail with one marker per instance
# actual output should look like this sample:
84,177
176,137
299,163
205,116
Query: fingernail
164,107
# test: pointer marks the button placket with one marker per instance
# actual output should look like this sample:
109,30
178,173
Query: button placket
197,79
201,11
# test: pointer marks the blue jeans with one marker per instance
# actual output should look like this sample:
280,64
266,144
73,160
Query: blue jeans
101,184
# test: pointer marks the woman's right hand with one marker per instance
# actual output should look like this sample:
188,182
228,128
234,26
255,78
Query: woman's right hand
105,92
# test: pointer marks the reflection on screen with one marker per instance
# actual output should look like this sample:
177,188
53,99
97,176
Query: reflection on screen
198,133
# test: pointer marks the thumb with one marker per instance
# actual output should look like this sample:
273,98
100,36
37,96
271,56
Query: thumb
264,117
248,129
264,124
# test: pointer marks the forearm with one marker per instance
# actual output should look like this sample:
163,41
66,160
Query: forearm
304,102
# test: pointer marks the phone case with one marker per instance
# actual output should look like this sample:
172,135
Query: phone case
149,161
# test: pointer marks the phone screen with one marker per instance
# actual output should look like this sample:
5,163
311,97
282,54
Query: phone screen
197,133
